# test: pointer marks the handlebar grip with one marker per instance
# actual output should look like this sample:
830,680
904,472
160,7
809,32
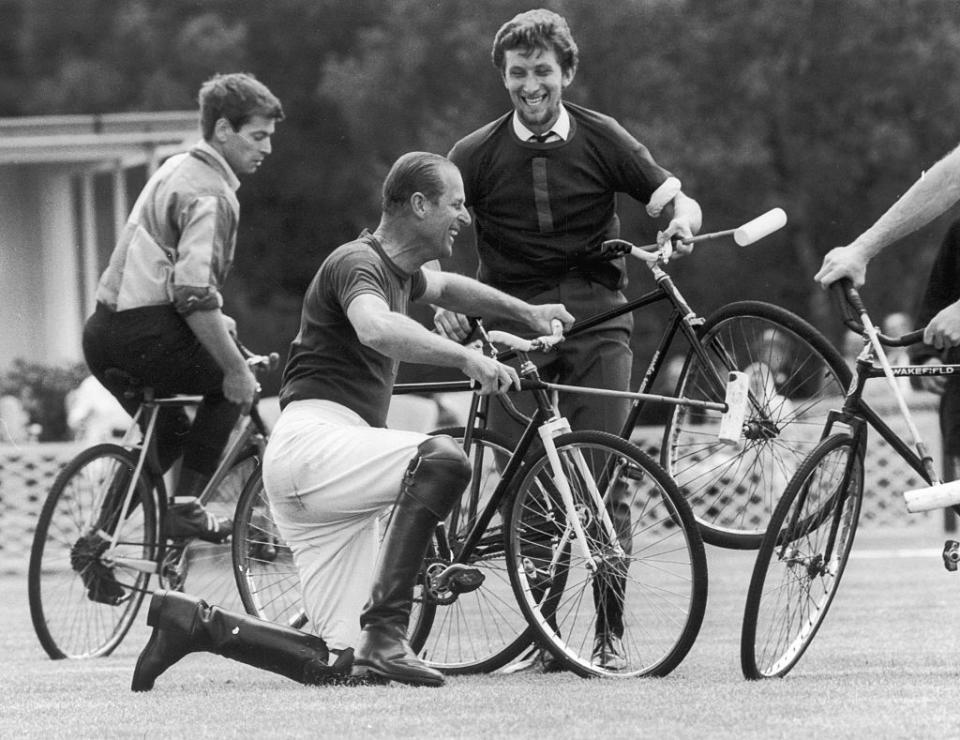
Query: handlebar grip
912,337
846,288
476,330
763,225
849,304
851,294
611,249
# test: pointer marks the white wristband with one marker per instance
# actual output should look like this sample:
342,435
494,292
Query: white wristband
662,196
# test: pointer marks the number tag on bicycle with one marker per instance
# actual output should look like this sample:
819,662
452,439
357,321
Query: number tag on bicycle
731,423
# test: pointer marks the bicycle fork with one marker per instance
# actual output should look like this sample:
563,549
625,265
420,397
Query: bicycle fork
548,431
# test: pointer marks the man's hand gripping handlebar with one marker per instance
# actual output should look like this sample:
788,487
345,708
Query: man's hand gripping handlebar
743,235
488,372
540,344
258,364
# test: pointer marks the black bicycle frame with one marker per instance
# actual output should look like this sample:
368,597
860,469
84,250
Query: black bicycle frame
855,411
682,318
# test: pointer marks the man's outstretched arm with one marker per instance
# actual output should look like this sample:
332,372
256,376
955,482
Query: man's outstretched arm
931,195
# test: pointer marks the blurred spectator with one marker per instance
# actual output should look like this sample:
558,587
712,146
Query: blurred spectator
15,426
895,325
93,414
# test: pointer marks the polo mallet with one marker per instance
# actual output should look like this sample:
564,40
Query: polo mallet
744,235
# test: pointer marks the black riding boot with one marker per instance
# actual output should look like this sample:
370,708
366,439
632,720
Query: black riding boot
431,485
184,624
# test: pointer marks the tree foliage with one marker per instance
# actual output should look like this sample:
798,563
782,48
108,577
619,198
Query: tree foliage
827,108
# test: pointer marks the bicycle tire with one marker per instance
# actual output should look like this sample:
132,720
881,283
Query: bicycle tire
652,592
265,573
67,570
482,630
794,582
733,490
205,569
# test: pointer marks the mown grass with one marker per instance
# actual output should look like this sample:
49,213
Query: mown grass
886,664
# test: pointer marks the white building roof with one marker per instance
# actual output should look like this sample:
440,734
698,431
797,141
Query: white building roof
128,138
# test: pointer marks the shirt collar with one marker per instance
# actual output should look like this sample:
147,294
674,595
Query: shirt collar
561,128
228,174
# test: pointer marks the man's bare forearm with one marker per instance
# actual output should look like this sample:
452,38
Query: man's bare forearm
936,191
211,331
467,296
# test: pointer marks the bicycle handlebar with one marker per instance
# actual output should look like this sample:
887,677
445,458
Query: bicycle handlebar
850,299
743,235
265,363
540,344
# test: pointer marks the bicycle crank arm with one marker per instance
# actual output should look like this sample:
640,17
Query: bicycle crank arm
138,564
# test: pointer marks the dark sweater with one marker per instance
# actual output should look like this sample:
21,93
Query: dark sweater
943,288
540,207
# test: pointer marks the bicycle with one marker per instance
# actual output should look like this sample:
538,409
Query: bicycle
731,489
794,373
547,533
808,541
100,534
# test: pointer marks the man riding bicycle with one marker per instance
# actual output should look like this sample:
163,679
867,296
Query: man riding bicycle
158,318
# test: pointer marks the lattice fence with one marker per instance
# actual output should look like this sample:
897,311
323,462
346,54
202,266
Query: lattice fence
27,471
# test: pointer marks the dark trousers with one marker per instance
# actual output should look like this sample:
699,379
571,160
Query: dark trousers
600,358
157,347
950,436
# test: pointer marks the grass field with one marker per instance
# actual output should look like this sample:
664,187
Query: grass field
886,664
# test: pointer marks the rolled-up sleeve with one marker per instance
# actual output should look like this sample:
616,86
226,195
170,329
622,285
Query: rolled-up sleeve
204,254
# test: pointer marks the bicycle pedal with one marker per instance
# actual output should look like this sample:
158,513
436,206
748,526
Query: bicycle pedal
951,555
466,580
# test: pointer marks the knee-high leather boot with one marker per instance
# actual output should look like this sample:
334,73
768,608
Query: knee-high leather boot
184,624
433,482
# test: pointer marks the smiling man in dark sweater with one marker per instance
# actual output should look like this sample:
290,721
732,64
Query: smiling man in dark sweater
542,182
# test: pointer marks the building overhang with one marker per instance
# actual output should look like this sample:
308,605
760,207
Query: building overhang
112,139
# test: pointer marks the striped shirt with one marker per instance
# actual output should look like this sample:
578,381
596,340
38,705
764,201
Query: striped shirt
178,243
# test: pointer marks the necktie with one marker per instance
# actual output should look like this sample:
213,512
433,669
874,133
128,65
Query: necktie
541,138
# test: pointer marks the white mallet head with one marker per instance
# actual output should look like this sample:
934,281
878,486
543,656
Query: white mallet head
760,227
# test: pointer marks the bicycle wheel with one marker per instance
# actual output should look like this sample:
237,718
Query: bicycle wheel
205,569
796,376
802,558
627,599
483,629
266,575
83,593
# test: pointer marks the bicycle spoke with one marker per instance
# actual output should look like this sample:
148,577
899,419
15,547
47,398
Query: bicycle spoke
641,584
